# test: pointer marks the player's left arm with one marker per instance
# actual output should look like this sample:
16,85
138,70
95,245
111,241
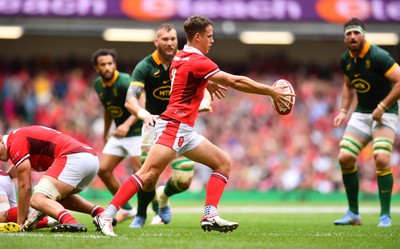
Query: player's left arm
24,190
394,76
123,129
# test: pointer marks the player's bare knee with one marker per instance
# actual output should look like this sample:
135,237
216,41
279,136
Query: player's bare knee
382,161
346,159
35,201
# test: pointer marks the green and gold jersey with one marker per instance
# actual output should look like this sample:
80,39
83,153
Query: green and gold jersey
367,74
112,96
150,74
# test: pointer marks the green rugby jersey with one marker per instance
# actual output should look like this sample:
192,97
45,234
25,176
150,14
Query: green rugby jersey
150,74
112,96
367,76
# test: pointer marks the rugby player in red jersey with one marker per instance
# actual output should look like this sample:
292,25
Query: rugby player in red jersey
68,167
191,73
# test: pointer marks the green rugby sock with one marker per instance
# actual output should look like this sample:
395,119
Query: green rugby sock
385,186
351,183
144,199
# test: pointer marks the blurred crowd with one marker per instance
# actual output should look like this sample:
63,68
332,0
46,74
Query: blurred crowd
268,151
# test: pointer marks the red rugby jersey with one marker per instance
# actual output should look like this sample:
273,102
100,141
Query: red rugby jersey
41,145
189,72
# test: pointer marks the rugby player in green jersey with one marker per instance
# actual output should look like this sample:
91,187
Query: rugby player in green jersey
151,77
124,142
373,78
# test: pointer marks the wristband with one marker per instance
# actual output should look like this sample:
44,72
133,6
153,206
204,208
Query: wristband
343,110
382,106
142,114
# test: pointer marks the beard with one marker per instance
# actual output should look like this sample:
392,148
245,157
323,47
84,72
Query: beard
166,56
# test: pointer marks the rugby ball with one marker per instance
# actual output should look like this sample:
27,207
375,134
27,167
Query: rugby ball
283,110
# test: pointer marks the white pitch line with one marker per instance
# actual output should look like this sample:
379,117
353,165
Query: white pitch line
280,209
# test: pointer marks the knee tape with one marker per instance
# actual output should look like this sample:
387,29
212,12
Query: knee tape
350,146
47,188
182,170
382,145
4,206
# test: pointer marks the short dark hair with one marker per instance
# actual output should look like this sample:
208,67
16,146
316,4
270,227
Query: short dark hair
196,24
103,52
354,22
166,26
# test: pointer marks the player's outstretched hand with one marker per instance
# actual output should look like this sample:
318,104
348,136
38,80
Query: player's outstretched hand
281,96
216,89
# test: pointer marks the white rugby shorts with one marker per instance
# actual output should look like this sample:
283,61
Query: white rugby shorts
123,147
7,189
77,170
178,136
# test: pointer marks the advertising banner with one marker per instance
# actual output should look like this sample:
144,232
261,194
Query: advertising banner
336,11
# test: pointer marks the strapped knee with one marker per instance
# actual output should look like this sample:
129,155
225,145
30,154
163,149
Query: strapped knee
382,145
182,170
350,146
46,187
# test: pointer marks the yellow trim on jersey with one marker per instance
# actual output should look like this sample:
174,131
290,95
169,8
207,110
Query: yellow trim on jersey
395,65
138,83
156,58
367,46
112,81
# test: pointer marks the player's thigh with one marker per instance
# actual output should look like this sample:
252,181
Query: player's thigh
108,162
158,158
208,154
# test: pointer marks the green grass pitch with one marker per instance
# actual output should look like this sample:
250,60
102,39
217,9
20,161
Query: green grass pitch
309,227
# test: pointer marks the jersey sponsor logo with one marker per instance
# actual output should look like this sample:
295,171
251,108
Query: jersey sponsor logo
361,85
115,111
162,92
356,75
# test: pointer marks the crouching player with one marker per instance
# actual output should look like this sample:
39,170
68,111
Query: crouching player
69,166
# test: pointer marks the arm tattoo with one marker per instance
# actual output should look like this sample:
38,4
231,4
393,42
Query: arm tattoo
134,91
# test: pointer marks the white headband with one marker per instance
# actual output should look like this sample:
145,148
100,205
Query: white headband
354,28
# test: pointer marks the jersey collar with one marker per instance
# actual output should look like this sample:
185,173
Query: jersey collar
112,81
156,58
366,48
191,49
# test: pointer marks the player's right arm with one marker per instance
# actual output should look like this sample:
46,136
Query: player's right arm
24,190
348,94
134,102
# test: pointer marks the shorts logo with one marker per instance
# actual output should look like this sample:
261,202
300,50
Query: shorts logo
180,141
340,11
